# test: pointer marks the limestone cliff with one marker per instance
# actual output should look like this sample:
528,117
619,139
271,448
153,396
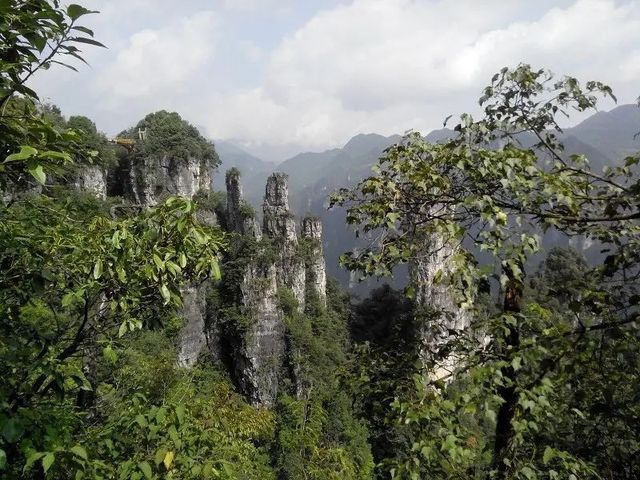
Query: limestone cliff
92,178
154,178
192,339
258,365
164,155
280,227
265,263
315,265
441,317
238,321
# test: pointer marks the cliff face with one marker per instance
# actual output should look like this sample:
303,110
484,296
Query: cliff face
238,321
258,362
442,317
251,329
192,339
92,179
315,265
280,226
153,178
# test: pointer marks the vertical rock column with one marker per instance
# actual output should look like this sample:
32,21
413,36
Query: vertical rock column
93,179
234,198
237,218
258,352
443,317
316,275
192,339
280,227
258,362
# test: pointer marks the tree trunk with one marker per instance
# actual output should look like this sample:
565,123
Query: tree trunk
504,428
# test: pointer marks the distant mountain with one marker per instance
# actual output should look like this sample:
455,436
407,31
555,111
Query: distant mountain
612,132
233,156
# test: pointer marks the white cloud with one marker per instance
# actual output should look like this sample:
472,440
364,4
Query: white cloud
253,5
361,66
160,61
391,65
251,52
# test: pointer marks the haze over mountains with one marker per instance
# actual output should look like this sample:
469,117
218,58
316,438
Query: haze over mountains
605,138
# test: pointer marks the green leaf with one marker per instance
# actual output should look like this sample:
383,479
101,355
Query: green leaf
3,459
86,30
109,354
76,11
25,152
97,269
165,293
180,413
38,173
89,41
79,451
53,154
491,415
529,473
122,330
31,459
145,468
158,261
12,430
215,270
516,363
141,420
548,455
160,455
47,461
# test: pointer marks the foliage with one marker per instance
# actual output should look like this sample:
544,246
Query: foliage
318,434
183,424
168,134
383,362
35,36
484,191
72,277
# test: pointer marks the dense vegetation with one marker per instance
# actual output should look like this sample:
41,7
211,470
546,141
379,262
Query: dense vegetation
544,382
166,133
526,394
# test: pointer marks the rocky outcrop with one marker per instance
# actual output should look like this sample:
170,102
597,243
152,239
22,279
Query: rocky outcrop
243,324
279,225
240,217
258,362
93,179
192,339
277,261
235,220
441,318
153,178
315,265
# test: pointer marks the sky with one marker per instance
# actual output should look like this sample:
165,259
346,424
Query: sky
277,77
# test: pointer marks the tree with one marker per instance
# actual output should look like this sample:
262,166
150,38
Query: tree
484,191
35,35
73,278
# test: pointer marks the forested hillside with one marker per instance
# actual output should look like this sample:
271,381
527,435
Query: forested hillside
169,308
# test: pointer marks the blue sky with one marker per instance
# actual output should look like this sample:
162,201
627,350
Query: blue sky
282,76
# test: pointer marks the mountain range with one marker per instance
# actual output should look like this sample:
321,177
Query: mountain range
605,138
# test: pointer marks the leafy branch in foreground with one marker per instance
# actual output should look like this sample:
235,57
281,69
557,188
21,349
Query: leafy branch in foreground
72,278
34,36
490,194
